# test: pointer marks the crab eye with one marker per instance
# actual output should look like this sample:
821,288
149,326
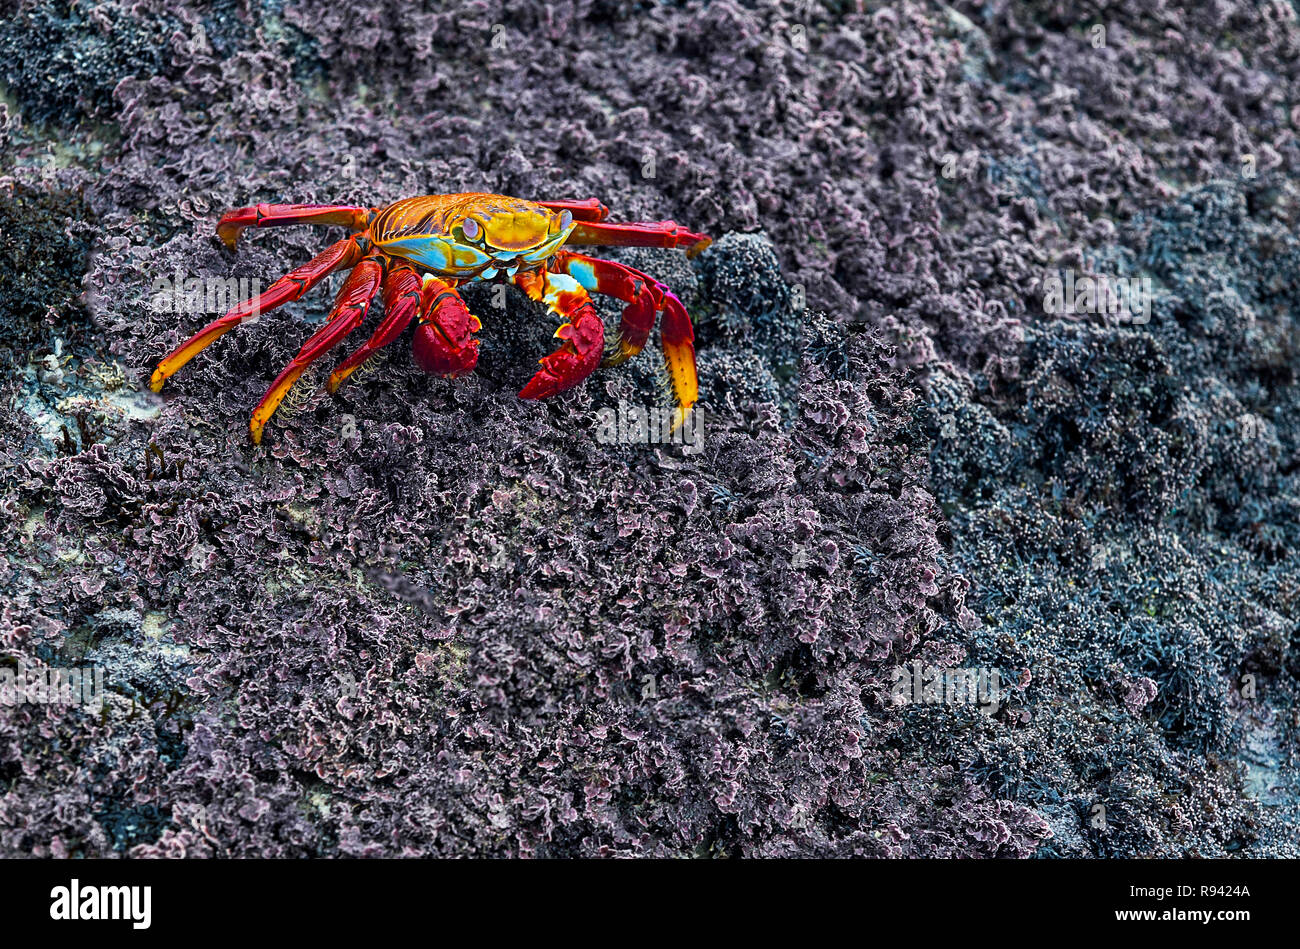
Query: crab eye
471,228
566,218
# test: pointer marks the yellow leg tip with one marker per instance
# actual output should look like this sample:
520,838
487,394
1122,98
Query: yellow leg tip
156,380
229,235
680,416
255,430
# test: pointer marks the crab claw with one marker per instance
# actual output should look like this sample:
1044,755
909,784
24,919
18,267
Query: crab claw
583,335
444,344
576,359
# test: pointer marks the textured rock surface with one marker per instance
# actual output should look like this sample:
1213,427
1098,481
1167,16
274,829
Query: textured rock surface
428,618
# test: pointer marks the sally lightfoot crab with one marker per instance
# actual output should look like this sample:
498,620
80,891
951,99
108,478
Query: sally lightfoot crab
416,252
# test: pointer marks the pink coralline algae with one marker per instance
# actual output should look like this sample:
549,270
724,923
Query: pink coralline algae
427,619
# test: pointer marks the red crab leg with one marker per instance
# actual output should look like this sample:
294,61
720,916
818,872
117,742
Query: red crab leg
349,310
583,334
645,296
288,288
275,215
678,341
589,210
642,295
658,234
444,343
401,304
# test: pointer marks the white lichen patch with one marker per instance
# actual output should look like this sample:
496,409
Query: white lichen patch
155,625
56,393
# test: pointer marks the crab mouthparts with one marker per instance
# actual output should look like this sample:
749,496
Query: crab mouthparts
507,265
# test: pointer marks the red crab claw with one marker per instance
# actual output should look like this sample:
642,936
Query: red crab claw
583,335
444,344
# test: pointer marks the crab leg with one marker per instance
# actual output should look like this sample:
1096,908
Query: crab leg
401,304
288,288
642,294
274,215
583,335
350,307
645,296
443,344
678,342
589,210
666,234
